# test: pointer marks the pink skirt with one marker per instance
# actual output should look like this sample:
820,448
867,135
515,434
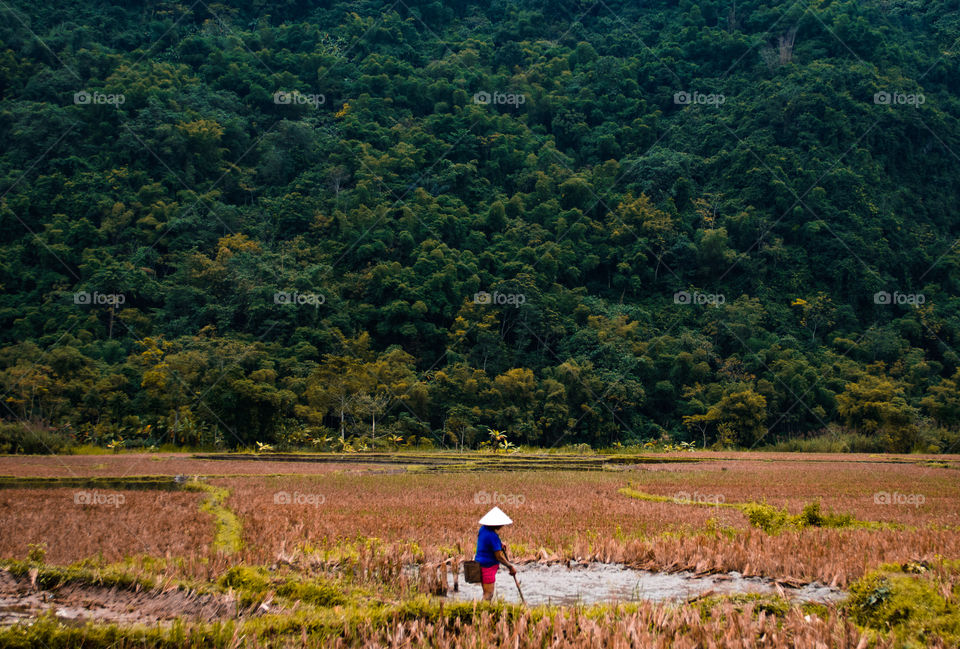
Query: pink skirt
489,575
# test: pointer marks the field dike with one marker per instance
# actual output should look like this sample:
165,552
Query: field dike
472,462
133,483
228,532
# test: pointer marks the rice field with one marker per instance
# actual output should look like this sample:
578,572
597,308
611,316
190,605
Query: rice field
365,553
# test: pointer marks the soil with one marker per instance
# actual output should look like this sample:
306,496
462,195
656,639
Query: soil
82,603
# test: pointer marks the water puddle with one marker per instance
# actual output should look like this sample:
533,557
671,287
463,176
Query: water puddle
596,583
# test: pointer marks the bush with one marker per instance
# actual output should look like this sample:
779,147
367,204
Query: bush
768,518
773,520
909,605
933,439
830,442
812,516
32,439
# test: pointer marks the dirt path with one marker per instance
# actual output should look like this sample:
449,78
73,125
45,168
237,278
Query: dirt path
80,603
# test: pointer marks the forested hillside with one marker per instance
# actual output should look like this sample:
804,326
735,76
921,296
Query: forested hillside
723,221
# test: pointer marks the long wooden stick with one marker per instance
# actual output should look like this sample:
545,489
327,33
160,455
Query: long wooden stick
522,601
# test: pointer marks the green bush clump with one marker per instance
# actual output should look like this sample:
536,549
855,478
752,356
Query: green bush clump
774,520
253,582
812,516
246,579
317,592
907,604
768,518
31,440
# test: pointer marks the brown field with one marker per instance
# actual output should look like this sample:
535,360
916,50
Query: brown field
559,515
581,516
845,486
369,521
157,523
650,627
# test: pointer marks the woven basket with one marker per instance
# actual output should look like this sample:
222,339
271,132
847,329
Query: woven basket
471,572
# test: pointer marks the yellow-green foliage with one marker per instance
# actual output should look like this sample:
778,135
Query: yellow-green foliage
769,604
250,584
317,592
772,519
910,605
768,518
47,632
228,535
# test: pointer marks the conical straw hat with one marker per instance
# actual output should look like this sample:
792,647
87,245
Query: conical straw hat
495,517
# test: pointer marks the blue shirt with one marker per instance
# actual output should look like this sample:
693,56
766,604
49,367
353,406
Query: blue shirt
487,543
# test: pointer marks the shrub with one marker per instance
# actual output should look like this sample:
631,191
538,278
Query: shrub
830,442
768,518
31,439
904,603
773,520
812,516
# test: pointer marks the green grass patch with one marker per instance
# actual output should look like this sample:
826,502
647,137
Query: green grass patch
228,534
252,579
910,604
84,572
49,633
770,604
774,520
769,518
318,592
253,583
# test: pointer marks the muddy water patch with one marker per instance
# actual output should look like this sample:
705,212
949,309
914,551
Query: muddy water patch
600,583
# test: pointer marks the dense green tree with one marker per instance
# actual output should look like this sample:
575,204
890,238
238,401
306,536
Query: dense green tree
274,222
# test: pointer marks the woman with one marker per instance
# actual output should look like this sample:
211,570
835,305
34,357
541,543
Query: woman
490,552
